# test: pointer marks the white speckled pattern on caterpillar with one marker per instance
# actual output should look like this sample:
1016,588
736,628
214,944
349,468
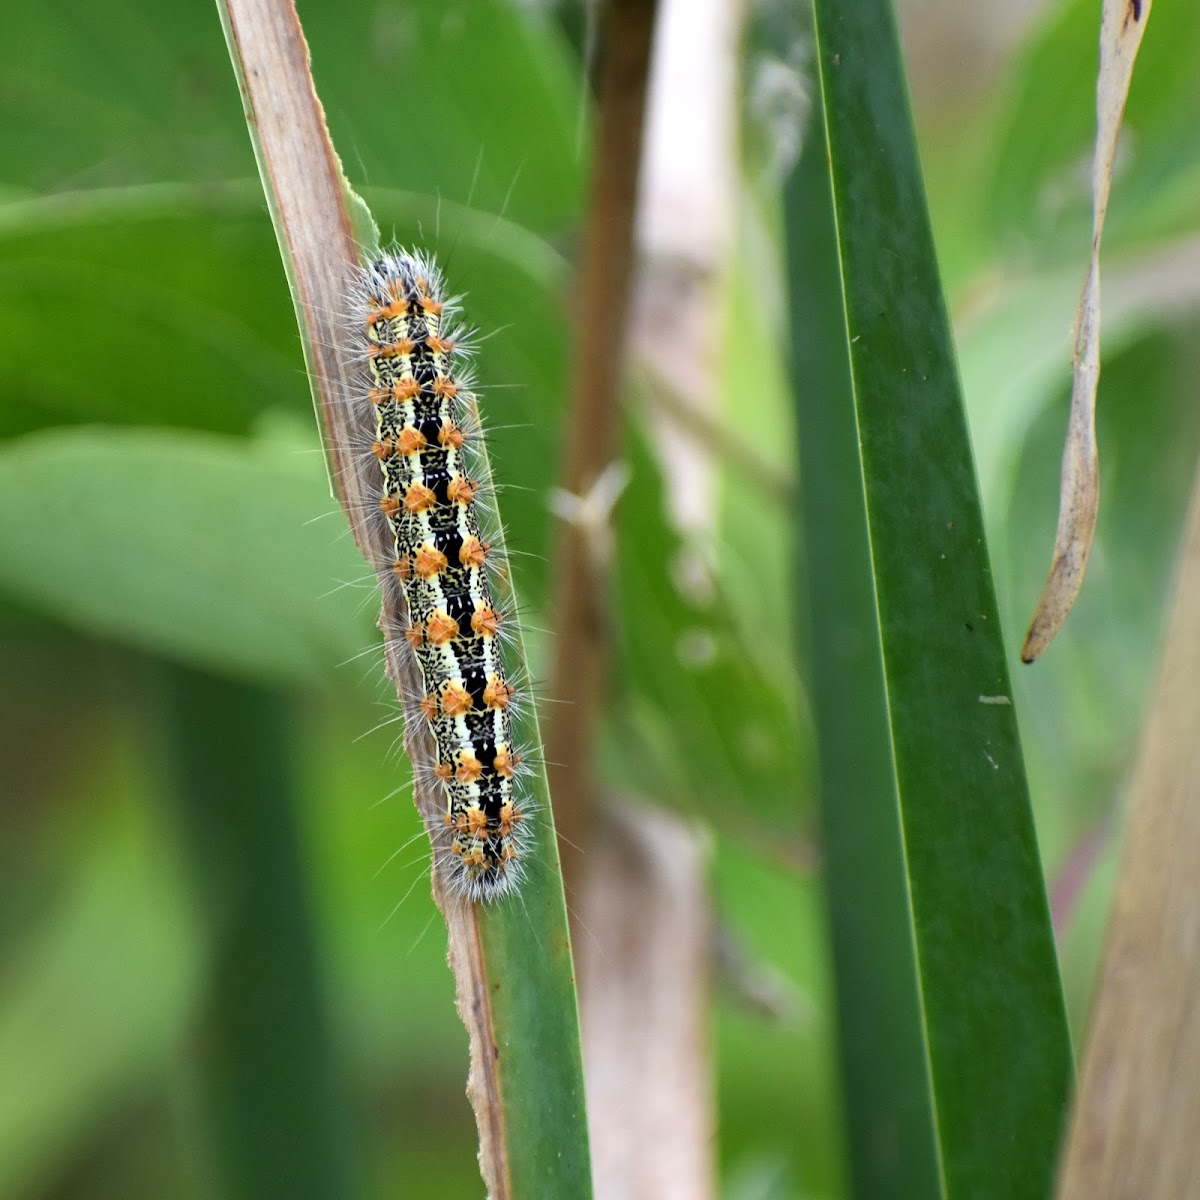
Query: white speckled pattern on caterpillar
440,560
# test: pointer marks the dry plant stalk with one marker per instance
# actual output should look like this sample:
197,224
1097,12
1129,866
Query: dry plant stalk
646,997
640,883
1137,1115
311,208
594,424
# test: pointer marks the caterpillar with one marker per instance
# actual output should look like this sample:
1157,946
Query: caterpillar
422,411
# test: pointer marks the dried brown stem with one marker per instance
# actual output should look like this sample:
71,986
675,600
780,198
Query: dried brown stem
594,421
646,1022
1122,24
1138,1109
309,201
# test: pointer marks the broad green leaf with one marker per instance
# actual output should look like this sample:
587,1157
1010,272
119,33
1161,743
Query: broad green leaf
928,821
131,93
191,324
211,551
504,137
139,93
186,320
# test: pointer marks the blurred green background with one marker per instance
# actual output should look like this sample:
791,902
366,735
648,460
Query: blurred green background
180,601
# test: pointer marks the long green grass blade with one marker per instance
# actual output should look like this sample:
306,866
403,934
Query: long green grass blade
889,1109
955,1048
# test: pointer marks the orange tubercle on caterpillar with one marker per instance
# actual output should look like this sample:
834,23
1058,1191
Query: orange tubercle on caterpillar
498,693
445,388
402,567
390,506
441,628
485,621
405,389
400,349
429,707
410,441
509,819
505,763
383,449
418,498
461,490
451,436
456,700
388,312
445,772
414,635
469,768
473,552
429,561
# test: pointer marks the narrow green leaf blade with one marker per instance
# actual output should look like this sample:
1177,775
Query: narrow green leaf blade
881,1043
991,1017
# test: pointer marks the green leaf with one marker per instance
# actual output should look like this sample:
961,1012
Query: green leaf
275,1101
207,550
134,94
186,323
187,288
534,1018
954,1038
139,93
888,1107
505,137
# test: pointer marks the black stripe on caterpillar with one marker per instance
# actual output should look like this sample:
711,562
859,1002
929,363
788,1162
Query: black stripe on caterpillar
441,556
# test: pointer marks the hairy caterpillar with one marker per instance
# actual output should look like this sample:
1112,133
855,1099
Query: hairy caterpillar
441,560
